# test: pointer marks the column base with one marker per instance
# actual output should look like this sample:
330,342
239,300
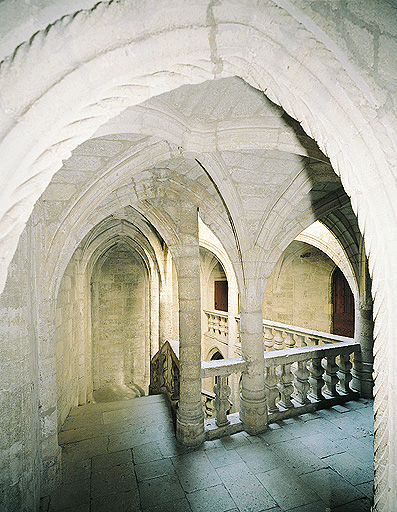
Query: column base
190,432
362,379
253,414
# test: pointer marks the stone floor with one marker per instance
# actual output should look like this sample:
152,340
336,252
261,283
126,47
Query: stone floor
122,456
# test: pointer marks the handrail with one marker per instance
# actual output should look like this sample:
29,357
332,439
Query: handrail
222,367
289,355
306,332
223,314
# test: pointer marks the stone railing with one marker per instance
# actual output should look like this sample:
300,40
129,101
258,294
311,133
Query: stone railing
221,369
304,379
297,380
207,397
217,323
164,374
277,336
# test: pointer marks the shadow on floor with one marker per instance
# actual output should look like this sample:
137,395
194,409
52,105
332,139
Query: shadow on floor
122,456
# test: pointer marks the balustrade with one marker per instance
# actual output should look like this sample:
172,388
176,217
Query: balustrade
277,336
222,370
217,323
307,378
297,380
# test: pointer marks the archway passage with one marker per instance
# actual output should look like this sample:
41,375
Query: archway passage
119,325
342,305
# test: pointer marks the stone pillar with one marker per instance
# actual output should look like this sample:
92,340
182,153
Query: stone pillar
253,408
363,365
166,305
231,320
190,416
364,327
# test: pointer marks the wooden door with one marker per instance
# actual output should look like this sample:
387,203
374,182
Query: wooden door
342,306
220,299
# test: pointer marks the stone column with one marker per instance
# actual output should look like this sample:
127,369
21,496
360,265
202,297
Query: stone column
363,365
364,327
253,409
190,416
232,313
166,306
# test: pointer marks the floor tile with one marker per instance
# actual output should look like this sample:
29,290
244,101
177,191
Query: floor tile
350,468
160,490
221,457
153,469
297,457
76,470
70,495
112,480
258,458
318,506
120,502
331,487
146,452
245,489
195,471
361,505
214,499
111,459
181,505
286,488
85,449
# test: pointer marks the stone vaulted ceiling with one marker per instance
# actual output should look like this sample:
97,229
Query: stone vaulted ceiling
256,177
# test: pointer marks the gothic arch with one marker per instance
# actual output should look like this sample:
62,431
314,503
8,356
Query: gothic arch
246,43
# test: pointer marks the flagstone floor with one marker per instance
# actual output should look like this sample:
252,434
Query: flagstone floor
121,456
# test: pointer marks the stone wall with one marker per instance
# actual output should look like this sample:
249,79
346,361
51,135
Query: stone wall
119,320
299,289
19,405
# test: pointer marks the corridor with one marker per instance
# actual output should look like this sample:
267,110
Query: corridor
122,456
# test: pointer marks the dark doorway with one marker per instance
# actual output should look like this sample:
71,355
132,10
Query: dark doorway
220,299
342,306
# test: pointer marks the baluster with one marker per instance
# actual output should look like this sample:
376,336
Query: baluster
278,340
285,386
344,373
316,381
207,406
223,326
222,404
268,338
210,322
330,377
216,324
289,340
302,383
300,340
226,327
175,381
272,393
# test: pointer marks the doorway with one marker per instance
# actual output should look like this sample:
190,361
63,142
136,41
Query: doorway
220,295
342,306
